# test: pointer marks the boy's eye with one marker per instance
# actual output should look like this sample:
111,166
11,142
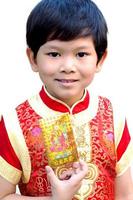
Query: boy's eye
82,54
53,54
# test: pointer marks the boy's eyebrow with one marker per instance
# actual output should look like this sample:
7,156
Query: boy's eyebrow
84,47
52,47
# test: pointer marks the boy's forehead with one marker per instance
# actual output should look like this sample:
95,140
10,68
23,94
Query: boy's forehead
84,42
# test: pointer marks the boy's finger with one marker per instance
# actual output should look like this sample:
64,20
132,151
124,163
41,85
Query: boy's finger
82,171
83,165
76,167
51,175
66,174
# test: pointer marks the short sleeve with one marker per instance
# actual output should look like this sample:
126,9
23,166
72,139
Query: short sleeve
10,167
123,140
15,163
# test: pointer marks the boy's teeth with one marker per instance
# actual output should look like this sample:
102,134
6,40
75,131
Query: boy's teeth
66,81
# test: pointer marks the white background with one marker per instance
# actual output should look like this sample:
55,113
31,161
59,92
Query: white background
17,81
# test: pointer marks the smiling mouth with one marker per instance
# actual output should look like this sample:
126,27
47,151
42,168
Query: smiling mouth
66,80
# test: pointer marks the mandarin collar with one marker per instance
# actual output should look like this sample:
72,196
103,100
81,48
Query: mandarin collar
60,106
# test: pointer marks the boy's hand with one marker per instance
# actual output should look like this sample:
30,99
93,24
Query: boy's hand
65,189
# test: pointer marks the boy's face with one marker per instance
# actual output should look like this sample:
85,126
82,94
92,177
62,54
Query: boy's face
66,67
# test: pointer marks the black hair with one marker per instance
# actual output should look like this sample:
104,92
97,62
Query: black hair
66,20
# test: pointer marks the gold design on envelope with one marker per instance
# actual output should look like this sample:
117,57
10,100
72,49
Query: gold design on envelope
59,142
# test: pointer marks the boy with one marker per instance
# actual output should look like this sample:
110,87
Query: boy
67,45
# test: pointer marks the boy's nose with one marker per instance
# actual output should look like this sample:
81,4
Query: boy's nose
68,66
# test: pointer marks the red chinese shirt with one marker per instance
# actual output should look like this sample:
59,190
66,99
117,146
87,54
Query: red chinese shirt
101,136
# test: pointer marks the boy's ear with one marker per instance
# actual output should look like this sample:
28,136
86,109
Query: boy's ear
101,61
32,60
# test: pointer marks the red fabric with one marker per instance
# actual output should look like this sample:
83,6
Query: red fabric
125,140
6,150
38,184
57,106
83,105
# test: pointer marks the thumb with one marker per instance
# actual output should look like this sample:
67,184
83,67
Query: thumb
51,175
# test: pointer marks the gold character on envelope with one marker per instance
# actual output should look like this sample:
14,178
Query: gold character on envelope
59,142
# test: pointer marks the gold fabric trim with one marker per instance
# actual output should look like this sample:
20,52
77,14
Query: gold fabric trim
125,161
9,172
82,136
119,122
18,143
